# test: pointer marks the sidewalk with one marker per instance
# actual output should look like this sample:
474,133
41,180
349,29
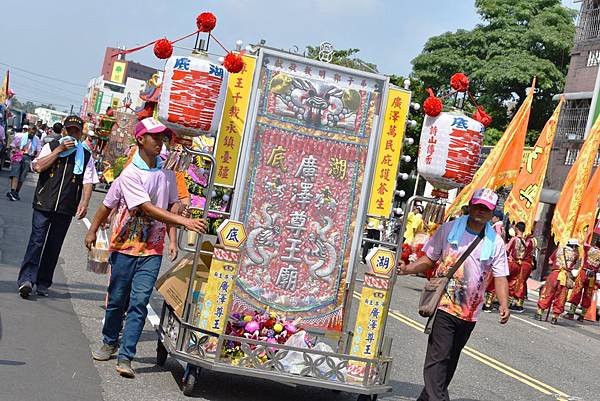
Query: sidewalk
44,355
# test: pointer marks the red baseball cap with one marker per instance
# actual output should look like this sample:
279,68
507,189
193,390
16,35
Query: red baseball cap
151,125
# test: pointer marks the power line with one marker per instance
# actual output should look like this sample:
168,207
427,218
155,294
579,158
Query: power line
44,83
45,92
43,102
42,75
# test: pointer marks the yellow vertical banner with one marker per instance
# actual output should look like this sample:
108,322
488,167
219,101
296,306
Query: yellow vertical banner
368,328
235,113
388,153
523,200
574,188
584,225
219,290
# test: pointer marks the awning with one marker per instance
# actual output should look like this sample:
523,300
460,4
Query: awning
574,95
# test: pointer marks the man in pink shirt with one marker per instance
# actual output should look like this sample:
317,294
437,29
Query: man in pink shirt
461,303
146,201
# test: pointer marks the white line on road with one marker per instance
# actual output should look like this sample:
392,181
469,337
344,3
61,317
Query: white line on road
512,316
153,317
87,223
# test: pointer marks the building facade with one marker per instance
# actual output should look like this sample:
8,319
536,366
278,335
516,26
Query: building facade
573,120
120,83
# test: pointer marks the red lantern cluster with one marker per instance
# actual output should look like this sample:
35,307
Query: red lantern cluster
459,82
163,49
432,106
233,63
206,22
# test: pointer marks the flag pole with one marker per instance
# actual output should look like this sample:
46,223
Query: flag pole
594,106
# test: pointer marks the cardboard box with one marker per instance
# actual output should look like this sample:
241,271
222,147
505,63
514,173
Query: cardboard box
173,284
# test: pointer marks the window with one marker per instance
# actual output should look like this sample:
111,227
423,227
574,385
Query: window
571,157
593,58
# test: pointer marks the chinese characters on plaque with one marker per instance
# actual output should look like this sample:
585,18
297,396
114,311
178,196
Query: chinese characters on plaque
304,177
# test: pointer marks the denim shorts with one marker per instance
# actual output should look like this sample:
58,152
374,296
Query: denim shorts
20,169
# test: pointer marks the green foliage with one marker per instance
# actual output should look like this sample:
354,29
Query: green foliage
345,58
517,40
118,165
29,107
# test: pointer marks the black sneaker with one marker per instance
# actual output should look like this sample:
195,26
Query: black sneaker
15,194
25,289
580,318
487,308
11,196
554,321
41,291
124,368
538,316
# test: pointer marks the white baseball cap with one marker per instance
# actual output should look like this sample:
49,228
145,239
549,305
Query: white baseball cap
573,242
486,197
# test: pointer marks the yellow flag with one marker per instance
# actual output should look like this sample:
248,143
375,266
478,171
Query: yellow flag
523,200
571,195
504,161
4,90
586,217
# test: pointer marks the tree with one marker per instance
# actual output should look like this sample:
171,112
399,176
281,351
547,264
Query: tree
517,40
344,58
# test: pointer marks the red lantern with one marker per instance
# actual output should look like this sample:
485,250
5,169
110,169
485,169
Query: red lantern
206,22
233,63
432,106
163,48
459,82
483,117
449,149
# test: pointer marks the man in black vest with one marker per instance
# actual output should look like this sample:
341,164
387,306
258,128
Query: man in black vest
64,188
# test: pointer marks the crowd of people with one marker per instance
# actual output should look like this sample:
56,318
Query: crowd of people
143,205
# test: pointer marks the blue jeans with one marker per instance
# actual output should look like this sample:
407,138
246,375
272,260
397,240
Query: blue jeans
132,279
48,231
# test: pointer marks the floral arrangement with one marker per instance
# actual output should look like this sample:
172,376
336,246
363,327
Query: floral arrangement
196,178
262,326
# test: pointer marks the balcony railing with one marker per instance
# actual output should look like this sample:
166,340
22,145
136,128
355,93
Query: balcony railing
588,25
573,119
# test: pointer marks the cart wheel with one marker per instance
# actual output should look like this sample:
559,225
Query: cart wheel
190,381
161,353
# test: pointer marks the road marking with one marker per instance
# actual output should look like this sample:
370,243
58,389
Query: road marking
153,317
489,361
528,322
86,222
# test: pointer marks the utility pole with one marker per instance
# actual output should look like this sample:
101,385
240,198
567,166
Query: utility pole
71,112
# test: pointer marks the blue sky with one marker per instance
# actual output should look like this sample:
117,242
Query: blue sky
65,39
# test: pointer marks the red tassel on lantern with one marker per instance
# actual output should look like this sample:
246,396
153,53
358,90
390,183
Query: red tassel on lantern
481,116
233,63
163,48
432,106
459,82
206,22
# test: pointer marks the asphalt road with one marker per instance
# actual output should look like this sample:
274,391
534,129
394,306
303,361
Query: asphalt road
45,343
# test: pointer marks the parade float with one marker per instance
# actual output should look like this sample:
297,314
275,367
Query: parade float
304,151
